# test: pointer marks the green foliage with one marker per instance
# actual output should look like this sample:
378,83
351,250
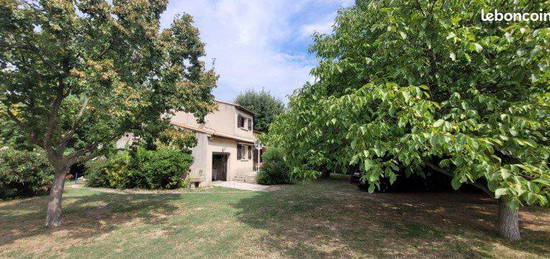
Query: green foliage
10,136
101,171
403,85
274,169
24,173
266,107
75,76
180,138
164,168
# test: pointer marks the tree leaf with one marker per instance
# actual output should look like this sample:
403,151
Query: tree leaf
500,192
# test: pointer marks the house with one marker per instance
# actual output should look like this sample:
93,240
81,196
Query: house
225,149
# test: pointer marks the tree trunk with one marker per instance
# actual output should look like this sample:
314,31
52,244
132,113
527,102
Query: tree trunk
508,220
53,219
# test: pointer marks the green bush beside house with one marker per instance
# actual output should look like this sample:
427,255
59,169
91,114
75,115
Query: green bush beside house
274,169
164,168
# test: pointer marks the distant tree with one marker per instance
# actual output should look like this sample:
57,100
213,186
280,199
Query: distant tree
404,86
77,75
265,105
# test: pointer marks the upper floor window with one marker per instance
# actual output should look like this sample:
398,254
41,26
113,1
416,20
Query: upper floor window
240,121
244,123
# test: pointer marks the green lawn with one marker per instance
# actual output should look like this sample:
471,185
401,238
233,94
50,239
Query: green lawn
329,218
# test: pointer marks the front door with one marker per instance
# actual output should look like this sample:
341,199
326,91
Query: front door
219,167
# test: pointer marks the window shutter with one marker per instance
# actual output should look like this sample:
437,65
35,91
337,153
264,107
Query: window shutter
249,124
249,152
239,151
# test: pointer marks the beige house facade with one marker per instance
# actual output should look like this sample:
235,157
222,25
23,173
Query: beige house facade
225,149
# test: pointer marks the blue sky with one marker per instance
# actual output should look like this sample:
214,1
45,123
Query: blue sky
258,43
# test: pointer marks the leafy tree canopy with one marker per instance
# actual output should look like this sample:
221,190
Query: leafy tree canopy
77,75
266,107
406,85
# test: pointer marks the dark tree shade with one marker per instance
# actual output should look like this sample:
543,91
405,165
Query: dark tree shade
403,86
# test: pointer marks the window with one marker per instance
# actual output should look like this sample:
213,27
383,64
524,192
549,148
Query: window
239,151
240,121
244,123
244,152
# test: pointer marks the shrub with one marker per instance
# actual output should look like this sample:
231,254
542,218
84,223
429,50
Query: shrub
24,173
274,169
101,172
164,168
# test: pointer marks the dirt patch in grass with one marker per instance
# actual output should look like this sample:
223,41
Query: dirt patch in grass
87,219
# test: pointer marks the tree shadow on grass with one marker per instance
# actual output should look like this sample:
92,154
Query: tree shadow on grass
84,216
331,218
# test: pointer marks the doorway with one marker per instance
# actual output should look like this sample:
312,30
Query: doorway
219,166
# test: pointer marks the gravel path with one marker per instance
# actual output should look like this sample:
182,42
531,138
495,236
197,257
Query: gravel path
228,184
135,191
245,186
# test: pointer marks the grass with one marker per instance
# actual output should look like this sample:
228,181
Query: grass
329,218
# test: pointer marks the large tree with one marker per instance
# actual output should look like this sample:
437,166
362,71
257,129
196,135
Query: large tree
77,75
408,86
265,105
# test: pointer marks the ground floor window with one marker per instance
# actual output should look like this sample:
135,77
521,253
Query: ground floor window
244,151
239,151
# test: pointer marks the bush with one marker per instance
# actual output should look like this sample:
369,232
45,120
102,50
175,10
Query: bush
101,172
164,168
274,169
24,174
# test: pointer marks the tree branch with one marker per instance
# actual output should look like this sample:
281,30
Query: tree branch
87,152
56,105
52,119
65,139
83,151
84,158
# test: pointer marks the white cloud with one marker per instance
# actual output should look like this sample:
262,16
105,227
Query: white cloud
322,27
324,23
249,40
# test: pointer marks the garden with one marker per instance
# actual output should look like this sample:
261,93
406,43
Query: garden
325,218
440,117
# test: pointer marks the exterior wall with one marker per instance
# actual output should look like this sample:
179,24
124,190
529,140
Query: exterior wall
223,120
125,141
199,168
235,168
215,136
202,159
